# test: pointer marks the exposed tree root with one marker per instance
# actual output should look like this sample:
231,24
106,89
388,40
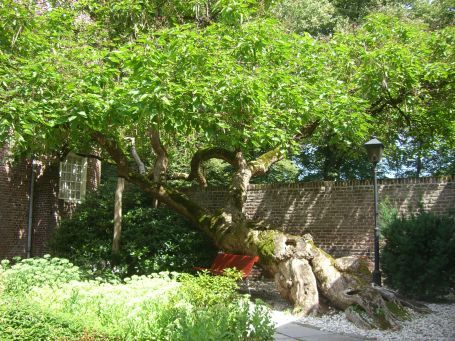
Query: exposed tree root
305,272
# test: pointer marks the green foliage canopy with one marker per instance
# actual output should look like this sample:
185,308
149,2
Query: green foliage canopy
243,83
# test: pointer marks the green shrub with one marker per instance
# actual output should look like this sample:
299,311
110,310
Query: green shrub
214,301
152,240
206,290
228,321
419,253
20,321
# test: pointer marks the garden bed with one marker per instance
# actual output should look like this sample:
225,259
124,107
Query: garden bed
48,299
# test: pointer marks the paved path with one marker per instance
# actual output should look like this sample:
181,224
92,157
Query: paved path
299,331
289,327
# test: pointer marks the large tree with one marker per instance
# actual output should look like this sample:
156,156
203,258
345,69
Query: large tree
229,84
406,157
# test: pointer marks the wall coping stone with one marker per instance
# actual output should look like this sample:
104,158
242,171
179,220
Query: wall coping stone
328,184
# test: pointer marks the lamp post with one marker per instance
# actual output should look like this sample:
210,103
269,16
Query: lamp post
374,149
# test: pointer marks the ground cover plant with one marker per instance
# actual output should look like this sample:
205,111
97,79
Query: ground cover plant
56,304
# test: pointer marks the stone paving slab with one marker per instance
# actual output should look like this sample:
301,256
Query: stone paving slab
298,331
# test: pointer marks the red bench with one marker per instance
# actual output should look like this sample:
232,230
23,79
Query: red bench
227,260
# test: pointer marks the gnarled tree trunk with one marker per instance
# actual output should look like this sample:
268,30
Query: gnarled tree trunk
303,272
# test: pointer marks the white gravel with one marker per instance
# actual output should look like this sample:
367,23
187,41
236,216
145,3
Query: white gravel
438,325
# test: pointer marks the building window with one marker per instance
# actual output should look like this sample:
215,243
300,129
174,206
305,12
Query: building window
73,178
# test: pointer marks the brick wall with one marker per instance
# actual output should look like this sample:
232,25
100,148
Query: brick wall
47,209
339,215
14,185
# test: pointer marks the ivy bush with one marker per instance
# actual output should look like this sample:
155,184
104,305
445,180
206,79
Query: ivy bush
418,256
152,240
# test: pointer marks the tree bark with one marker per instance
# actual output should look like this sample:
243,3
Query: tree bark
118,215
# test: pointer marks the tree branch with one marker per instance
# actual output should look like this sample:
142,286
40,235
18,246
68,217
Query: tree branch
178,176
207,154
114,150
379,105
394,104
92,156
173,198
135,155
262,164
307,130
161,163
176,200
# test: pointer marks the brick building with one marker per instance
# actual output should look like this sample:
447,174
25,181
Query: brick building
27,221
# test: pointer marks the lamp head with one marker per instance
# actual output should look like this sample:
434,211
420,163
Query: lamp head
374,149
